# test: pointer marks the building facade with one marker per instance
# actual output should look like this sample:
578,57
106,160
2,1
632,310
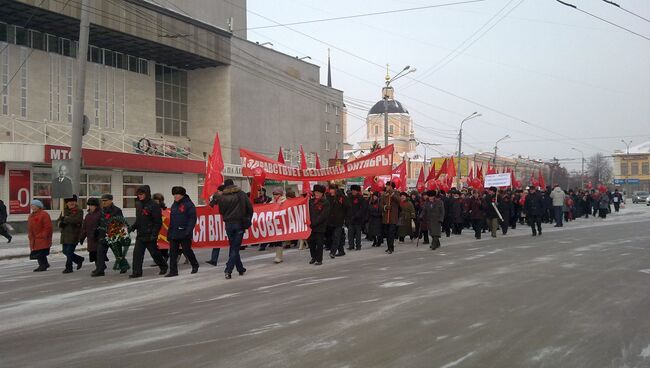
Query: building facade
632,168
160,83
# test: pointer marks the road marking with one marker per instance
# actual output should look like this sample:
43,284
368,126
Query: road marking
395,284
457,362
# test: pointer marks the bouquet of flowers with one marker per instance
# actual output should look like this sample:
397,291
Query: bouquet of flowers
118,240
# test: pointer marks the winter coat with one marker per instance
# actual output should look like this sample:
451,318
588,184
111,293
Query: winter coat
3,212
456,210
338,210
506,208
234,205
319,212
148,219
389,204
476,208
106,215
433,213
603,203
182,220
39,226
374,219
534,206
406,216
70,224
490,212
89,230
358,210
557,195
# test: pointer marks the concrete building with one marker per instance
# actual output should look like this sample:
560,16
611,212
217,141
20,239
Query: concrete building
632,169
161,81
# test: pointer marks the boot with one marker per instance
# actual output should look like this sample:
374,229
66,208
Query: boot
278,255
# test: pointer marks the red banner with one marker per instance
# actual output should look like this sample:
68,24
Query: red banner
271,223
19,191
377,163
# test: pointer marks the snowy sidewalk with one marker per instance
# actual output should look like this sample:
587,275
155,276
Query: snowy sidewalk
19,246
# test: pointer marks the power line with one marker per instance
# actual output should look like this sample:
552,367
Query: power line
602,19
625,10
361,15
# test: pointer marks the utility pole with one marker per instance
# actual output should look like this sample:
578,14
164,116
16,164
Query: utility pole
78,109
407,69
494,160
460,145
627,162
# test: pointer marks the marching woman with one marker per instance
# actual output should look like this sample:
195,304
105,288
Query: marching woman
374,220
433,212
39,226
89,228
70,224
406,217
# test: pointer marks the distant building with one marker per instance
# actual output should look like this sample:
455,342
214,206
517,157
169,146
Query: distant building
632,170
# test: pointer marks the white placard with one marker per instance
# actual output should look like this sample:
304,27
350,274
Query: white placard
497,180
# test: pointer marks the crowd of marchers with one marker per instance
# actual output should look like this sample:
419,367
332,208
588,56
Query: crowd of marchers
384,216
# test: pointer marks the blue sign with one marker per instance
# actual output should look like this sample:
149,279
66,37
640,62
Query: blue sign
633,181
626,181
619,181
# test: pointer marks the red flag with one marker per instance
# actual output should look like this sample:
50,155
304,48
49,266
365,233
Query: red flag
451,169
491,170
400,171
479,172
280,156
432,174
443,169
213,175
540,179
470,176
420,183
317,162
303,166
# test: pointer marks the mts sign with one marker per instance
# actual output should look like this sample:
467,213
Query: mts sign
56,153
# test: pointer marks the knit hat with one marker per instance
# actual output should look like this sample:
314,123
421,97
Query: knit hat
319,188
179,190
228,183
37,203
92,202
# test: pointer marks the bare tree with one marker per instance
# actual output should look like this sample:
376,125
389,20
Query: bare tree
599,169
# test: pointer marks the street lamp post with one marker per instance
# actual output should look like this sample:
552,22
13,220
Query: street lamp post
582,170
627,159
407,70
494,161
425,145
460,144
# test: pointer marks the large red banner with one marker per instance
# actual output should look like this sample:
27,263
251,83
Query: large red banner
377,163
271,223
19,191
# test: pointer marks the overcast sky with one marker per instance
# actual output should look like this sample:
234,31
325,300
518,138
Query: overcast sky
575,80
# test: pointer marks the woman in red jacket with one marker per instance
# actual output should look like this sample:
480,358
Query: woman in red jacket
39,226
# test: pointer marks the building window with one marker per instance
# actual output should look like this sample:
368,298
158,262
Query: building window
171,101
4,78
635,168
96,95
336,110
338,128
93,185
327,145
391,129
327,107
130,184
42,188
327,127
23,82
645,168
376,129
624,168
200,201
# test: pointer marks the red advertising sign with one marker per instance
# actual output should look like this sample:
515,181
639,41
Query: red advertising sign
377,163
19,191
271,223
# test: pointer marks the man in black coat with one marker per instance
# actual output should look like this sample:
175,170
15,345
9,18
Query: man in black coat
338,212
534,209
3,221
319,212
148,221
357,215
109,210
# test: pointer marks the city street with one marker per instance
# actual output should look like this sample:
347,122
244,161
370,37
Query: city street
574,297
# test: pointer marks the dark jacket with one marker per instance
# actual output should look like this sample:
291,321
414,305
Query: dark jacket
374,218
338,209
456,210
3,213
319,212
106,215
433,213
490,212
358,210
476,208
70,224
89,230
148,217
389,204
234,206
534,204
182,220
505,207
